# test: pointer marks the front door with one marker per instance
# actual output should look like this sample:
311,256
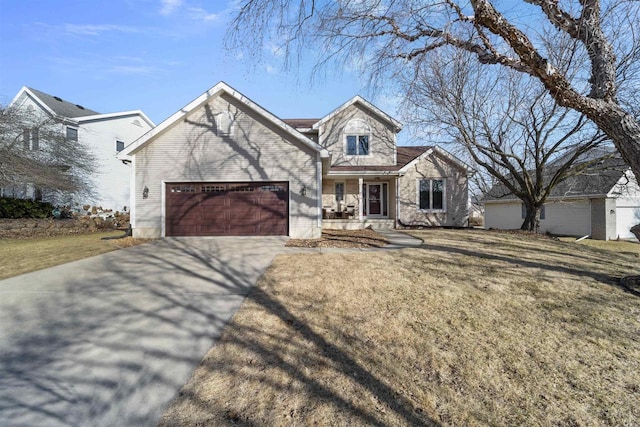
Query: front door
374,199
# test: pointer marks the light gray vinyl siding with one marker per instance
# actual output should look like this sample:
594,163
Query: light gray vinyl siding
382,140
456,193
256,150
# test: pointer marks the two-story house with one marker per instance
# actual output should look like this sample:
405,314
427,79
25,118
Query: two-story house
224,165
105,135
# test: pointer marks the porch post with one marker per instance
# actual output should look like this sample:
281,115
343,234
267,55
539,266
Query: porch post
360,207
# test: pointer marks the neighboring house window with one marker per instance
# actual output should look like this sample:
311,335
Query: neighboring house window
72,134
339,192
524,212
119,146
30,139
224,124
431,194
26,139
35,140
357,138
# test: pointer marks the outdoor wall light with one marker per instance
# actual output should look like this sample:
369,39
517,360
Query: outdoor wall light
145,192
303,190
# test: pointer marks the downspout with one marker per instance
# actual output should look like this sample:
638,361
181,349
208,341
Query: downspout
397,201
319,190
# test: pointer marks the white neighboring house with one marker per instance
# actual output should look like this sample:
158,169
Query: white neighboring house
105,135
603,205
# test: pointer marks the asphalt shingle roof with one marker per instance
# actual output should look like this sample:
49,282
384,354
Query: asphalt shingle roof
405,155
61,107
596,180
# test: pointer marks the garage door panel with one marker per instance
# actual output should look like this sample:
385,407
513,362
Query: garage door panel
216,229
211,217
212,209
214,202
244,230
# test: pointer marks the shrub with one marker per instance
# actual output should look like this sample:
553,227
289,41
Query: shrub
24,208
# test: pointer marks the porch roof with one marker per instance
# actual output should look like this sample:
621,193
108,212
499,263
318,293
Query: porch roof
405,155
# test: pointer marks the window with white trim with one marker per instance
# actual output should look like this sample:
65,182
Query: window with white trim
224,124
357,138
30,139
432,194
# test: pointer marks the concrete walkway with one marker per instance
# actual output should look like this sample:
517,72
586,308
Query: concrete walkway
399,240
109,340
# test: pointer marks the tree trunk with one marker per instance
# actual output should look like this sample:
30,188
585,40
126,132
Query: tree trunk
624,131
532,218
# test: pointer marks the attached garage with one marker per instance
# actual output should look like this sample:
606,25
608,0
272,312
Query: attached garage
627,215
227,209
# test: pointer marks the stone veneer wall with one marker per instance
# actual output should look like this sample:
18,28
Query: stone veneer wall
43,227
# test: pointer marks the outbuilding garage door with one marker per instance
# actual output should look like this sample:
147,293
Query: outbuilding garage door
626,217
227,209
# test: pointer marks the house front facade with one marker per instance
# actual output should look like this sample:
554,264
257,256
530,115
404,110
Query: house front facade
105,135
223,165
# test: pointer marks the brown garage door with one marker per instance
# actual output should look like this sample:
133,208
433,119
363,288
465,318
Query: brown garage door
227,209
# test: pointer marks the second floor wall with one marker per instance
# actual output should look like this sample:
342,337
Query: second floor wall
356,136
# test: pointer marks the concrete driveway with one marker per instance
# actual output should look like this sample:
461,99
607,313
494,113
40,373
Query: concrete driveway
109,340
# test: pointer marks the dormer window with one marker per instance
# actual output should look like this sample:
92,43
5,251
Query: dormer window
357,134
224,124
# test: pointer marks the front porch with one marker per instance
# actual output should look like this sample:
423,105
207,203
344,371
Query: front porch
352,203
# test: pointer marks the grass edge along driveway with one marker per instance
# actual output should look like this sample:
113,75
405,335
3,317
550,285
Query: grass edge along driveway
473,328
22,256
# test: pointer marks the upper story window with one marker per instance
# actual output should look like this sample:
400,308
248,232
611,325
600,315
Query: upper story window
357,138
30,139
72,134
224,124
119,146
431,194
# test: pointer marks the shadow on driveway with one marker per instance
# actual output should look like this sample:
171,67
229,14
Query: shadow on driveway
109,340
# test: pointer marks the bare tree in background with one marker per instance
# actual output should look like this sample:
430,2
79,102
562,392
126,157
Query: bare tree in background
35,151
388,36
524,142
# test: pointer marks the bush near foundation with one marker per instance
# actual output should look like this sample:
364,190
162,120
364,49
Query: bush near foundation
24,208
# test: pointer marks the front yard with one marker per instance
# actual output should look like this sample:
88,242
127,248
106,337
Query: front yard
21,256
473,328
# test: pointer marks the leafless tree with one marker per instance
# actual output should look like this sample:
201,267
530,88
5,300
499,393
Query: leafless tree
524,143
35,151
384,36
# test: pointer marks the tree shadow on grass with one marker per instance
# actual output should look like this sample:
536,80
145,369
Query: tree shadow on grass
113,338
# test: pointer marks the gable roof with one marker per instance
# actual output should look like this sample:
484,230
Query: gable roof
58,106
301,123
596,181
405,157
360,100
216,90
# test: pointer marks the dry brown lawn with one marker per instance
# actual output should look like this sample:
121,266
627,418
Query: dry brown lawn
620,246
473,328
342,239
22,255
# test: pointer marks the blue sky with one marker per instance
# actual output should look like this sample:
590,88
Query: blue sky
152,55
